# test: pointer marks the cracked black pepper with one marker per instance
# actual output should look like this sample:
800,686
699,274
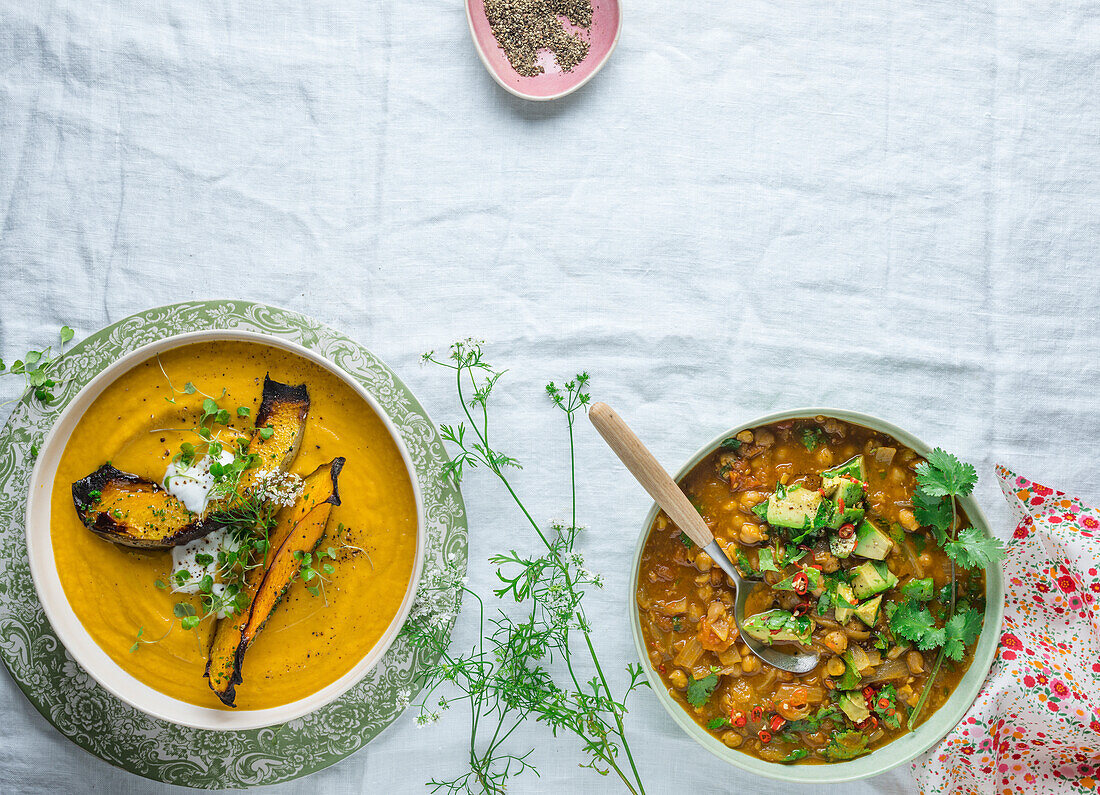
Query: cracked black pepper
524,27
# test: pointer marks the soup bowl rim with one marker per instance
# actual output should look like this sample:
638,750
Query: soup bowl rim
901,750
79,642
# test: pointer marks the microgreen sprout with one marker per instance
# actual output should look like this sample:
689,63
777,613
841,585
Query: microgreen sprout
37,369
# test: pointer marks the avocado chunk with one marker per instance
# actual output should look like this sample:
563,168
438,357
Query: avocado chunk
794,507
779,626
871,578
845,506
853,468
854,706
868,611
842,547
872,542
844,591
917,590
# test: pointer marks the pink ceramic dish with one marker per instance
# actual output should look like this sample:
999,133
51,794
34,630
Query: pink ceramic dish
553,83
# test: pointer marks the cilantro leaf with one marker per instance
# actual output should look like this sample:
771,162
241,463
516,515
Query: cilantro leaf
934,512
718,723
767,560
846,745
700,689
745,565
811,437
914,622
945,475
731,443
973,549
961,631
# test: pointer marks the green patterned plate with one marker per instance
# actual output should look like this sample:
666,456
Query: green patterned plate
98,722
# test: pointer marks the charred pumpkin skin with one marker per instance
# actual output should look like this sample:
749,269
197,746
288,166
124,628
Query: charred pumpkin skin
233,635
284,408
135,512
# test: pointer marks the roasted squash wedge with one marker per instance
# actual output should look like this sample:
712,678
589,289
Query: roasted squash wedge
280,422
299,527
130,510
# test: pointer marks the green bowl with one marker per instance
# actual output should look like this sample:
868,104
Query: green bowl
905,748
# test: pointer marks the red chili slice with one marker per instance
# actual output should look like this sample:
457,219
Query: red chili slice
765,736
777,722
738,719
846,530
757,713
800,582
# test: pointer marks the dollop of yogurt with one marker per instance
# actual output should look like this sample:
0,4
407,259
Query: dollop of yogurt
191,485
186,558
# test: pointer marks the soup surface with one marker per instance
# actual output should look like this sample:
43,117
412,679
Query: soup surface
309,641
861,693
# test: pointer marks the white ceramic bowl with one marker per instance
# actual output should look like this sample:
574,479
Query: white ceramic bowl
908,746
72,633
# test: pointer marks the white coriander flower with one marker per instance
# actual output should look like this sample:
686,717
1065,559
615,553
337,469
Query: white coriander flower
279,488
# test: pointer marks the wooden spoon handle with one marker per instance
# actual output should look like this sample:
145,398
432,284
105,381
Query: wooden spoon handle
641,463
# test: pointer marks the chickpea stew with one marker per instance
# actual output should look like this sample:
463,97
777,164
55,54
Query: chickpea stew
824,513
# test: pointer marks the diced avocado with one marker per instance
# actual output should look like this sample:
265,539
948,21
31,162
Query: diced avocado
779,626
842,547
853,467
794,507
843,488
845,507
871,578
872,542
917,590
844,591
868,611
854,706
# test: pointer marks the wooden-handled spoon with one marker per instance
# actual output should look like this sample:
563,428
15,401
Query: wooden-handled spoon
663,489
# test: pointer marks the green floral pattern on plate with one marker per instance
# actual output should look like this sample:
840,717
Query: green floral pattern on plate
96,721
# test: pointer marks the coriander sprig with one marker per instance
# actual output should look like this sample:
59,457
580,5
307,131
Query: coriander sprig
941,480
530,665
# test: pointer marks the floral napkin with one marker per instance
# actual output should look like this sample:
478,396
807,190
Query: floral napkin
1036,724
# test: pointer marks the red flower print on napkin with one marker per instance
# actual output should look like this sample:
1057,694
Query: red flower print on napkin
1035,726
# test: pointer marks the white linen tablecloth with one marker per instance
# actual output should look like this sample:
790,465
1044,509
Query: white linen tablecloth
892,207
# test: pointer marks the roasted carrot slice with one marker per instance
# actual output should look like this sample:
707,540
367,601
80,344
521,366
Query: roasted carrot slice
227,649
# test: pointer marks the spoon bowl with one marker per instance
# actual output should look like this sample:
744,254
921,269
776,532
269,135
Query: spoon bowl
660,485
553,83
